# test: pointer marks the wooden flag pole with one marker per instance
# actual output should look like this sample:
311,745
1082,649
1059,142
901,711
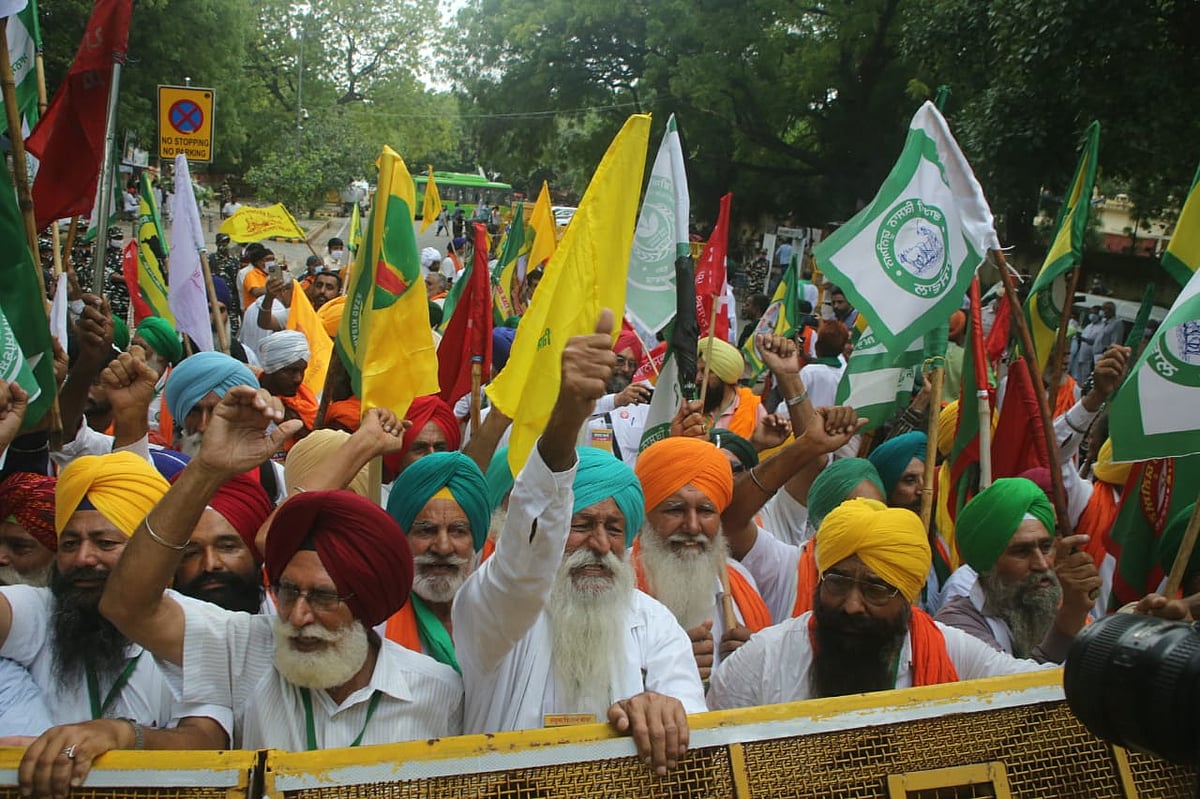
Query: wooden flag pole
213,313
936,381
712,332
1059,494
982,385
1060,341
43,104
104,199
8,87
335,371
1184,554
476,388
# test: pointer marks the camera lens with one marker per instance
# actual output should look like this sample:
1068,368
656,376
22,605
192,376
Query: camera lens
1135,680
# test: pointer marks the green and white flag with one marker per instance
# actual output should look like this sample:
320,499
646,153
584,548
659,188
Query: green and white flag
24,41
661,237
668,396
905,260
1154,413
876,380
13,366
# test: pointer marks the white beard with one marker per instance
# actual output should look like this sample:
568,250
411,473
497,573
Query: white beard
439,588
587,629
328,668
189,443
39,578
683,580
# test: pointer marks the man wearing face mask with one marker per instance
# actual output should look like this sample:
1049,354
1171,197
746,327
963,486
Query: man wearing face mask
338,257
254,284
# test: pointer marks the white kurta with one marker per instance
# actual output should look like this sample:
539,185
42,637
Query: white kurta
773,666
229,659
502,634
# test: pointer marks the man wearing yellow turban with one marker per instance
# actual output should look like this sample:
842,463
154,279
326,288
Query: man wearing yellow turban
102,688
863,633
681,552
726,404
1033,593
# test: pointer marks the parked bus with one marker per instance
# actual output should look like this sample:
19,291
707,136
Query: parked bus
465,190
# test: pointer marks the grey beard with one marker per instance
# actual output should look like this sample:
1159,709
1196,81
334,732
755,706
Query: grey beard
1028,609
189,443
38,578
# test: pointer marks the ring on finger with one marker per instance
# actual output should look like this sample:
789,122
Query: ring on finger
69,752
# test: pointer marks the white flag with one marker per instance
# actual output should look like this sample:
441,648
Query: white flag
905,260
58,312
186,294
877,380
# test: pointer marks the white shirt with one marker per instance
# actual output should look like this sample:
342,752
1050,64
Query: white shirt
785,518
251,334
146,697
229,659
628,424
775,565
773,666
502,635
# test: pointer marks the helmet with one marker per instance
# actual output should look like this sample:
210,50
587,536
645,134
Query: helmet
222,239
115,232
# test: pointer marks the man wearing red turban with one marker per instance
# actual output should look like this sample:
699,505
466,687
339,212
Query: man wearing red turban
27,538
434,429
317,676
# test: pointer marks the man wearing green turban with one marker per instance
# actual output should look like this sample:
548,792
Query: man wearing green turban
1033,594
845,478
900,462
441,502
157,337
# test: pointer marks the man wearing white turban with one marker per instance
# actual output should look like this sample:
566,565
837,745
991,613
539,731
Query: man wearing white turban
284,356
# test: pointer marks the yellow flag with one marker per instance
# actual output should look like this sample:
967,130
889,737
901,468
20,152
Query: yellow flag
252,224
1182,257
545,239
432,207
385,340
354,237
303,317
588,273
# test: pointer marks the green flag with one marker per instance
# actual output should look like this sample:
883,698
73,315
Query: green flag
877,379
152,252
24,42
781,317
506,267
23,303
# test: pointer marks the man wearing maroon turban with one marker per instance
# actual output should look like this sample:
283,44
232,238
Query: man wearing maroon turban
221,563
434,429
27,537
317,676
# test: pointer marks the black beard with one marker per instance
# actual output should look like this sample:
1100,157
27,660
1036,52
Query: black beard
617,383
233,593
715,395
81,636
854,654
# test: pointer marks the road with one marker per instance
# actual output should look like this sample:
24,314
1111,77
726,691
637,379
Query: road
297,254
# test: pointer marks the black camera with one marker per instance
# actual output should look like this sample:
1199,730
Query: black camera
1135,681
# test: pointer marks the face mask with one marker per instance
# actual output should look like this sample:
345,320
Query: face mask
270,265
1092,317
336,256
116,244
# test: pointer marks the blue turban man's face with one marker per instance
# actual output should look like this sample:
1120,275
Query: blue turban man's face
907,493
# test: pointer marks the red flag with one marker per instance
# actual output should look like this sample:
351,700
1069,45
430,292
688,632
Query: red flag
997,338
710,273
467,338
1019,443
129,272
69,139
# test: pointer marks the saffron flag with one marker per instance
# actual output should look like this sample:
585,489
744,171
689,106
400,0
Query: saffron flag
516,246
1182,256
1047,297
69,139
467,336
24,42
780,319
23,303
877,379
1155,492
303,317
252,224
354,236
187,295
906,259
710,275
384,339
152,254
1154,413
545,231
432,207
587,273
660,238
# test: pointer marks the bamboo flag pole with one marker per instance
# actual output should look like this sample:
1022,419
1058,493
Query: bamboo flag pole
8,87
214,314
476,389
1059,494
936,381
104,198
1184,555
43,104
712,332
1060,340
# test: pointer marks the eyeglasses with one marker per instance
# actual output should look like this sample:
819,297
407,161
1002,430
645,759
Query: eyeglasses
319,600
625,363
839,586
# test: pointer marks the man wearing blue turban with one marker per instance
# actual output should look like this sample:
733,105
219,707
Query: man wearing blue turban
195,387
900,462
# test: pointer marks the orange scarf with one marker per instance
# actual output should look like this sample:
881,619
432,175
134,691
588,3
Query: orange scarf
402,628
931,664
1066,396
754,611
305,404
1097,519
806,579
745,416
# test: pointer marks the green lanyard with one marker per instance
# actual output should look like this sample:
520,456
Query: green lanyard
310,726
93,687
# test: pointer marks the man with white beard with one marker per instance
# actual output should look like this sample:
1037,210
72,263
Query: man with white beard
549,629
27,537
1033,593
441,501
681,552
317,676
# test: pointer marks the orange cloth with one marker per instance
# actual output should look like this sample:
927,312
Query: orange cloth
668,465
1065,398
402,628
346,414
754,610
255,279
164,435
931,663
304,404
1098,518
806,580
745,416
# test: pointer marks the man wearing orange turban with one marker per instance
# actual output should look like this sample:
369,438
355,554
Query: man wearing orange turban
863,634
317,675
681,553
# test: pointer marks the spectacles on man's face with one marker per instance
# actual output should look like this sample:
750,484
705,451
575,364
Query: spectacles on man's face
839,586
320,600
626,363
